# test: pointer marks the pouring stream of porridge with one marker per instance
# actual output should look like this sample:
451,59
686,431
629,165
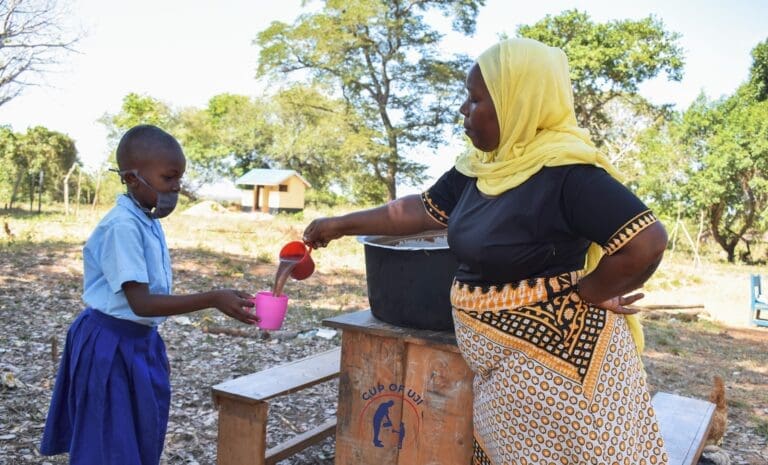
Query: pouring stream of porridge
287,264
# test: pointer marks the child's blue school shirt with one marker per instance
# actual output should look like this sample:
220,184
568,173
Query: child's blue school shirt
126,245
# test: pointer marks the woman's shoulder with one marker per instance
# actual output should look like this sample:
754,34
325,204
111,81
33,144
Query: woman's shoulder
452,179
575,176
580,169
553,179
456,174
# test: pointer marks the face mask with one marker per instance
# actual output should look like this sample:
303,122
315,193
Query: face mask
166,201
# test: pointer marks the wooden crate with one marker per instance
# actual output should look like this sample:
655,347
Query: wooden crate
405,395
430,389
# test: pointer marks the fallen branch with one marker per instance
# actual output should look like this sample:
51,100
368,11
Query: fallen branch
669,307
234,332
54,350
688,314
287,423
237,332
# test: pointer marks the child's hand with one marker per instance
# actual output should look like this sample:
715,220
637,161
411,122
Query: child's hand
235,304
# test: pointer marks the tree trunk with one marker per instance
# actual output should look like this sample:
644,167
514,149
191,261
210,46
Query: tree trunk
391,174
19,176
96,191
727,240
391,188
31,193
189,194
40,192
66,188
77,194
715,214
722,233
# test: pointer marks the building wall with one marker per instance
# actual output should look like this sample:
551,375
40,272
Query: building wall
272,200
291,200
246,199
265,197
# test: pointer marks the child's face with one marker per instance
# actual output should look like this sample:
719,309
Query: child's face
162,172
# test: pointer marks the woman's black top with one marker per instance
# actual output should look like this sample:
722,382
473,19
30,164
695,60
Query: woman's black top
542,227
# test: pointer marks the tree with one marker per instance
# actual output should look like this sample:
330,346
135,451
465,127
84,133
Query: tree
32,40
137,109
729,173
620,139
7,150
228,137
298,128
384,60
313,132
659,172
758,81
609,61
729,176
714,159
225,138
40,158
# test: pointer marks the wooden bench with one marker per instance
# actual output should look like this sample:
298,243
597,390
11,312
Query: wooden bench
243,407
758,306
684,424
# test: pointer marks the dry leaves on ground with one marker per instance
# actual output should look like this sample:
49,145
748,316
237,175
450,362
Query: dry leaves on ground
40,287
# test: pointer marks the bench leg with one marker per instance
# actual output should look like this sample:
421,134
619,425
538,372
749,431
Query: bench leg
242,432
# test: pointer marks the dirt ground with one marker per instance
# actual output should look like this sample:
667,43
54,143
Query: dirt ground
40,285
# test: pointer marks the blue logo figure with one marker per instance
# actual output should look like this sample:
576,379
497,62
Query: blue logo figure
381,419
400,435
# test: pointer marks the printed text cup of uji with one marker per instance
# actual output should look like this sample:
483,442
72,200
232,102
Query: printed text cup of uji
270,309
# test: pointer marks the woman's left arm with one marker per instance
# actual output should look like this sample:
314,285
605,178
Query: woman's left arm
625,270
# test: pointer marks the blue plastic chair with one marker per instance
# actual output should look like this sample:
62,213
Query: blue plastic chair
759,310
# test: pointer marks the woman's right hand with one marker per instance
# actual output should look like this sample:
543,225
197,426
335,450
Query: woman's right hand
622,304
320,232
405,215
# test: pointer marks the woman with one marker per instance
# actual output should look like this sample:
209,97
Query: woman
545,328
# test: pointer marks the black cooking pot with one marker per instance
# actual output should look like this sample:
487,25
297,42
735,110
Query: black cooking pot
409,279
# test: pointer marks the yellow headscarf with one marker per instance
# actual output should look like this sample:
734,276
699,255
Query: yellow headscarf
530,86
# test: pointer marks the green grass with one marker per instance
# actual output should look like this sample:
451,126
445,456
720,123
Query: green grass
762,427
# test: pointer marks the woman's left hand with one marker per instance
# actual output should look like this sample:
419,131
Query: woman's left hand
621,304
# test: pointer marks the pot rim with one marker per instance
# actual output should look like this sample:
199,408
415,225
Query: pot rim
376,240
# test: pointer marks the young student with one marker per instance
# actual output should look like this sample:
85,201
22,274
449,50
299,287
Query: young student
111,398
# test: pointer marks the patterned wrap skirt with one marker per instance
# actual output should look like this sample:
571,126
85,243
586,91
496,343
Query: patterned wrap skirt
557,381
112,394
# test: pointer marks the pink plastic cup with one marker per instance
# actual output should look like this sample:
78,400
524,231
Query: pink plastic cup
270,309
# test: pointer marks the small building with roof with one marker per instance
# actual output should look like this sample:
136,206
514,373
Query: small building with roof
272,191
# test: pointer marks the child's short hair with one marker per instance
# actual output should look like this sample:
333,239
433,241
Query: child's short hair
137,142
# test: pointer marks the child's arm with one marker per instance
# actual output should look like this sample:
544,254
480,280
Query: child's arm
236,304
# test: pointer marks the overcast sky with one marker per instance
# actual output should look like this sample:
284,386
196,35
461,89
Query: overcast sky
183,52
